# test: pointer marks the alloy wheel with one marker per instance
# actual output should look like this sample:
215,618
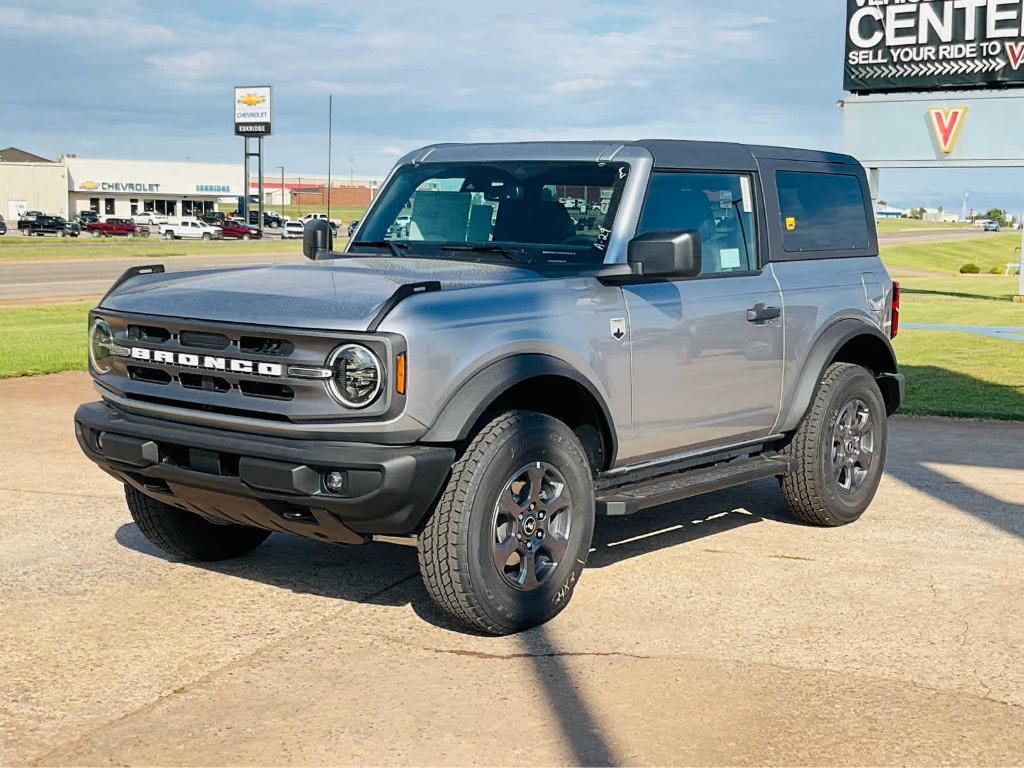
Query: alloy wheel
853,445
531,525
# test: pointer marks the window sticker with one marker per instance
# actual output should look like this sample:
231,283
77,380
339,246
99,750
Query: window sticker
748,195
791,224
729,258
725,199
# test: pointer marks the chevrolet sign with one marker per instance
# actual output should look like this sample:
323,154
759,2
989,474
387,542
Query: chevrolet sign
207,362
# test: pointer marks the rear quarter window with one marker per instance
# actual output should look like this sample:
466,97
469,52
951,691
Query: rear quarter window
822,212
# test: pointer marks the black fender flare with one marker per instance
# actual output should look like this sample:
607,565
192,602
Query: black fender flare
821,356
464,409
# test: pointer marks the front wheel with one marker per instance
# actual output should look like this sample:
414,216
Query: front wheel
839,449
188,536
507,543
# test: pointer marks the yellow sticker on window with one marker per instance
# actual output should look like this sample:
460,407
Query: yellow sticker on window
790,223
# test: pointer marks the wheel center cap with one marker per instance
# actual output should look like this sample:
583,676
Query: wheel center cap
530,526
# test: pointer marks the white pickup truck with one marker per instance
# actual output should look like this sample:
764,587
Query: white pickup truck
335,223
192,229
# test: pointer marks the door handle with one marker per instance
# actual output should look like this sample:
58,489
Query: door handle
760,313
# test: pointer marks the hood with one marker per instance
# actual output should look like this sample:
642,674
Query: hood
338,294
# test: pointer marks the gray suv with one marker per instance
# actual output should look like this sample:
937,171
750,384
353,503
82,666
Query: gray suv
518,338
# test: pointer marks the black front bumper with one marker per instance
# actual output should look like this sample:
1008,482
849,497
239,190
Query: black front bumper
268,482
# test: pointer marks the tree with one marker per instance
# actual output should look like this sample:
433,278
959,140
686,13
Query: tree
997,215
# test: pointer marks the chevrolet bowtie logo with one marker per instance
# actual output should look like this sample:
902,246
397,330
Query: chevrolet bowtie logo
252,99
89,185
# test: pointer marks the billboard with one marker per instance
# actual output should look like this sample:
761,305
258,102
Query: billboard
897,45
252,110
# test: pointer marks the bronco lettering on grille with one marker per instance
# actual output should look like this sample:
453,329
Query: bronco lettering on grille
207,362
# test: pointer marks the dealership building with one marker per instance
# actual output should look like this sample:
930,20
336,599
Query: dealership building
121,188
126,188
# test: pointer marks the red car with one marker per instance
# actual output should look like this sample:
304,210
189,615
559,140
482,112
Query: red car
238,231
111,227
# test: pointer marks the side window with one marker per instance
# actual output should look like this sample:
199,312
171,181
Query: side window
821,212
718,205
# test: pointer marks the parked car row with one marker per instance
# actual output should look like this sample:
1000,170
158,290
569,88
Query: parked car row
215,225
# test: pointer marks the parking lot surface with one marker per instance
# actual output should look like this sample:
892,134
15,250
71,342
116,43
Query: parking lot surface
716,631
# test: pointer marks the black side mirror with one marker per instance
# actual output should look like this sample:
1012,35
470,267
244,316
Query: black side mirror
665,254
316,237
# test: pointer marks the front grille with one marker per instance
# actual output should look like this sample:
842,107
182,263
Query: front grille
204,340
219,389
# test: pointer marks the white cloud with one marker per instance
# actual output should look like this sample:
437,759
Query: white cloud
576,86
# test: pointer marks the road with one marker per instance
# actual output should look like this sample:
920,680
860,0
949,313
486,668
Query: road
716,631
929,236
88,278
28,281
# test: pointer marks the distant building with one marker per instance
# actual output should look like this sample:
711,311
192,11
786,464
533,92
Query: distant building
120,188
15,155
888,212
939,216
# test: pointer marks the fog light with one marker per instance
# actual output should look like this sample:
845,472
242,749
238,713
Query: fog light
335,481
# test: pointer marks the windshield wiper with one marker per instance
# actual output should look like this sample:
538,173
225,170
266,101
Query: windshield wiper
397,249
508,253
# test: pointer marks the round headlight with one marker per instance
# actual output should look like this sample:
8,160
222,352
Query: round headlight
357,375
101,339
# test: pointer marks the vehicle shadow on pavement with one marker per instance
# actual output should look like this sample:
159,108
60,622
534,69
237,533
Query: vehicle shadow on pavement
361,574
686,522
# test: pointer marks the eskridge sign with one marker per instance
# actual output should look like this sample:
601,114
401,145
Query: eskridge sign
252,110
933,44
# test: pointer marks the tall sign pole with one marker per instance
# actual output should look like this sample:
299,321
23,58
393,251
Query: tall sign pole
330,147
253,121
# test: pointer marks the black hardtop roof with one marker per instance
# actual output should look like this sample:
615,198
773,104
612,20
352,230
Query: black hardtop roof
667,153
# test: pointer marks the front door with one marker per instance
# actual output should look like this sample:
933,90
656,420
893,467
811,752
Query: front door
707,352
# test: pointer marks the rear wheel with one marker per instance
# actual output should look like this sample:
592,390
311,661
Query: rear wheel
507,543
839,449
97,233
187,535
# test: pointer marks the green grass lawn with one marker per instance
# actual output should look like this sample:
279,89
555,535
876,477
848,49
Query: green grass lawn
914,225
987,251
961,374
47,338
961,300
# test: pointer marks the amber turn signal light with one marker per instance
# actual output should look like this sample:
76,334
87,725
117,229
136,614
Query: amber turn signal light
400,374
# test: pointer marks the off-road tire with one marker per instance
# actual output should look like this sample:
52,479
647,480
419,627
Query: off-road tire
455,561
811,491
188,536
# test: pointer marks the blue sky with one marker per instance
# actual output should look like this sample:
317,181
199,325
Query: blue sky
148,80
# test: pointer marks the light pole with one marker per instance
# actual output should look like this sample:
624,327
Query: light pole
282,185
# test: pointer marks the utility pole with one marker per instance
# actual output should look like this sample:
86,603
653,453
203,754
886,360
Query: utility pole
1020,264
282,185
330,139
351,171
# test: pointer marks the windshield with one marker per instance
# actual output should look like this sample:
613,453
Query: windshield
555,212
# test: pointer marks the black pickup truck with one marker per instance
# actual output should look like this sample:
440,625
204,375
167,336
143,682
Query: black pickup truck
49,225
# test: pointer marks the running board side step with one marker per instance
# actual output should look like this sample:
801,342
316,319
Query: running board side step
629,499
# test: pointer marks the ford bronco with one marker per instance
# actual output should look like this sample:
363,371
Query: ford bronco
555,331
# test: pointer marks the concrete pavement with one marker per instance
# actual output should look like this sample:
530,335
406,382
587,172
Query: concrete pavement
716,631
